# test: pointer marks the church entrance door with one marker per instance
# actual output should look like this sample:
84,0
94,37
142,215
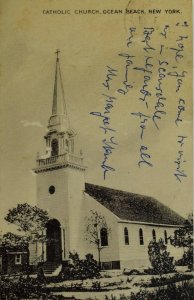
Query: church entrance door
53,247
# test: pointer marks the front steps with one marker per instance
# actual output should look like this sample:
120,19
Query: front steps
51,268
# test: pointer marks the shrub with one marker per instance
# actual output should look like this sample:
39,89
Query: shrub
131,272
40,275
80,269
173,291
23,288
96,285
141,295
159,258
149,271
188,258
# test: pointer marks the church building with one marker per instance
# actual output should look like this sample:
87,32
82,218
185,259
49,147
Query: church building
132,220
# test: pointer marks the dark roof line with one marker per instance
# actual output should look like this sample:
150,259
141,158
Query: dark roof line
133,207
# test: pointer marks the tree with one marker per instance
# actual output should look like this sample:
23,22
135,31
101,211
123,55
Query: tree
159,257
183,237
30,220
11,239
95,224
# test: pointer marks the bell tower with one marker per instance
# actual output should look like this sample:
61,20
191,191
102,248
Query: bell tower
60,138
60,172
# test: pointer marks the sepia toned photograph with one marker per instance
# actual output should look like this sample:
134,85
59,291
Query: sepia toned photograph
96,154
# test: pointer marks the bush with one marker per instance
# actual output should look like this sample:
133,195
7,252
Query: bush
131,272
80,269
150,271
159,257
168,280
173,291
187,259
23,288
40,276
60,297
142,295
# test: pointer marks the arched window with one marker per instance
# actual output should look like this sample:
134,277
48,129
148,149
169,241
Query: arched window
165,237
103,237
141,242
126,236
154,235
54,147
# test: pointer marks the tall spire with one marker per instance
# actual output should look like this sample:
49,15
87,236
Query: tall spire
59,136
59,119
59,105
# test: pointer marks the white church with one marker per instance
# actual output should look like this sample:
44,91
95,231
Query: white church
134,220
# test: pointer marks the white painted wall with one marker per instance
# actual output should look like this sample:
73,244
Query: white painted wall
135,255
66,203
109,253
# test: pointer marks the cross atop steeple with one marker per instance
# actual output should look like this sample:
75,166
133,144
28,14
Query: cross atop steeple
57,53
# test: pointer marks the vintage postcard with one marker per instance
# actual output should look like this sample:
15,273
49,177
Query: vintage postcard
96,149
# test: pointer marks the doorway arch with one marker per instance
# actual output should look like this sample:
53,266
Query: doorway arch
53,245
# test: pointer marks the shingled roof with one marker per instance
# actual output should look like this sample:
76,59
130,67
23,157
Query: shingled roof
133,207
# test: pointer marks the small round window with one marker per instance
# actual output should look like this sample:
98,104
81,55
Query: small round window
51,189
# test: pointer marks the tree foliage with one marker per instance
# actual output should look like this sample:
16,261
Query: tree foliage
28,219
10,239
160,258
183,237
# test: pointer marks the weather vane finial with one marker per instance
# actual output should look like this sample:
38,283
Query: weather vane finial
57,53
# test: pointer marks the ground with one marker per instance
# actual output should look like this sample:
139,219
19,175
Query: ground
114,286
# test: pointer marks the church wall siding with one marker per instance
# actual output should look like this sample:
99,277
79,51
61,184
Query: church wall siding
136,255
111,252
55,204
75,206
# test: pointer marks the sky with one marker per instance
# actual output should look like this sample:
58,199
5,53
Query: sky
90,44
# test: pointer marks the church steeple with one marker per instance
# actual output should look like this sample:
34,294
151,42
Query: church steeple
59,118
59,105
59,137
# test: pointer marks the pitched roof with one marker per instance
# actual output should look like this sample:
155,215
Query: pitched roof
133,207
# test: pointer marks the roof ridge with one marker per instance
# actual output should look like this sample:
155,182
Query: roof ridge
124,191
126,205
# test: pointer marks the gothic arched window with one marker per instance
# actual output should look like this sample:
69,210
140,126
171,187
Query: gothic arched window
165,237
141,241
154,235
104,237
126,236
54,147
